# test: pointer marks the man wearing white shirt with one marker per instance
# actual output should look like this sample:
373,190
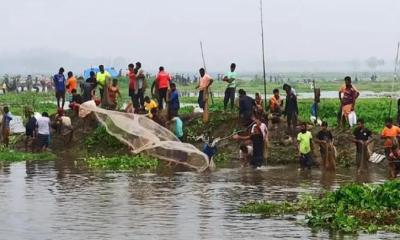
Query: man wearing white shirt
43,130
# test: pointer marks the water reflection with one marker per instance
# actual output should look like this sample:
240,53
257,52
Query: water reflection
61,200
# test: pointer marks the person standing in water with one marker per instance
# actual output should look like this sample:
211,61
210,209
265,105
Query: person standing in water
304,139
325,141
257,138
362,138
230,90
59,84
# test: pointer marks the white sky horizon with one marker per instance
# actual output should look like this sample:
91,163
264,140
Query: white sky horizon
40,35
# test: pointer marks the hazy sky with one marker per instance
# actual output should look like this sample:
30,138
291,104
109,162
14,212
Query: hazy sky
168,32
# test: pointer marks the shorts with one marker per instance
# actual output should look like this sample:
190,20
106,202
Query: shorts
60,94
43,140
306,161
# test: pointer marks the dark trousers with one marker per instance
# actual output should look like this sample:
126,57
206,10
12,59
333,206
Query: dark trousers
135,102
134,99
200,100
229,96
291,119
306,161
101,93
140,96
162,96
172,113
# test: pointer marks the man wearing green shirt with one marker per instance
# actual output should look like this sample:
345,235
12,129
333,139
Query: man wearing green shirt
230,78
101,78
304,139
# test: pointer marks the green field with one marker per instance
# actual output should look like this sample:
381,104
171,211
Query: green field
374,111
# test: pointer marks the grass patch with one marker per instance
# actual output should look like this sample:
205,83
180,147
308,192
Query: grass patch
122,162
100,137
351,208
39,102
8,155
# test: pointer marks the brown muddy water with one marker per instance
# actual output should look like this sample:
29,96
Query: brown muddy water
54,200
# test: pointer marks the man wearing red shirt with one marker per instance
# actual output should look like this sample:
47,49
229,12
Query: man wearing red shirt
163,80
132,86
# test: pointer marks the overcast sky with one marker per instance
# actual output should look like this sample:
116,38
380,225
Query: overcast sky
168,32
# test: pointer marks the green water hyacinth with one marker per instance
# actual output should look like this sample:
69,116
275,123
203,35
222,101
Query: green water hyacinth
8,155
351,208
125,162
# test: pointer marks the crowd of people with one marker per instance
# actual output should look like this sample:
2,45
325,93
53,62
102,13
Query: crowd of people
261,123
29,83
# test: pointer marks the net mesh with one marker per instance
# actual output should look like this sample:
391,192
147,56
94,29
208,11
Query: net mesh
145,136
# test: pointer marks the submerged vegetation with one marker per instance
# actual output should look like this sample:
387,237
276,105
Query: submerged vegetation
122,162
8,155
368,208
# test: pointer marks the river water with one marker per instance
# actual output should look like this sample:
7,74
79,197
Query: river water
56,200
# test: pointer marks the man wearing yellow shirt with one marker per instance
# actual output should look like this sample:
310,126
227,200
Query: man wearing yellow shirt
304,139
149,105
101,79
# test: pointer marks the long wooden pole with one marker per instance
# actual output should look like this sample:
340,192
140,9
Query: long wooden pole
396,65
205,68
263,55
202,55
206,91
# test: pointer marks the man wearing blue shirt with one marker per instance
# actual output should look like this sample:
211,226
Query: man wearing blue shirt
59,85
173,103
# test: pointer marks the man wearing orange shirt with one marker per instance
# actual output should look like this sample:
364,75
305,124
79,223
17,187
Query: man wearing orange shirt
204,83
390,134
163,80
72,83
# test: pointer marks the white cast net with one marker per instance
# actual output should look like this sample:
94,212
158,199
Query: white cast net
145,136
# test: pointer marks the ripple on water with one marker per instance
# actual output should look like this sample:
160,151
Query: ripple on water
60,202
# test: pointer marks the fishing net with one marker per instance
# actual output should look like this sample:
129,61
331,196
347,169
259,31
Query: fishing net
145,136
